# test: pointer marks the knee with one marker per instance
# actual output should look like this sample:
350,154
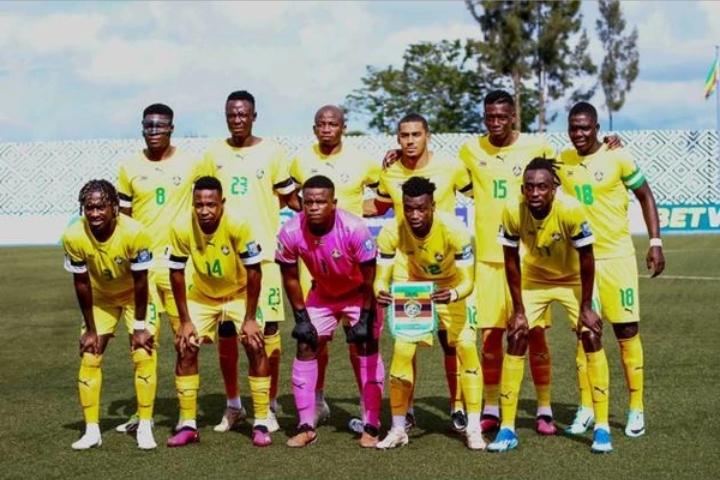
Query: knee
227,330
623,331
518,340
305,351
271,328
591,342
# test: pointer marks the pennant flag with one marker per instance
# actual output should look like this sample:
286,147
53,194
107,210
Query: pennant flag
712,78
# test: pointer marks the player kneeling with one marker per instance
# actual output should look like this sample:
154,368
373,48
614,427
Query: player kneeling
558,266
109,255
224,294
339,252
438,249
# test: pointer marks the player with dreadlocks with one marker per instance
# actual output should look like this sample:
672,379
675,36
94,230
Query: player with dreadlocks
109,255
558,266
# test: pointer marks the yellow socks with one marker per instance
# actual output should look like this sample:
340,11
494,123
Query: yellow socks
631,352
401,377
582,377
512,375
89,383
260,392
470,376
599,378
541,369
145,382
492,362
187,392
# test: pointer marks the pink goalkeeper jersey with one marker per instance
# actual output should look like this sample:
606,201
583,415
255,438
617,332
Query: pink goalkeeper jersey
333,259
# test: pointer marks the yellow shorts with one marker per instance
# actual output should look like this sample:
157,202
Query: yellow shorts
107,317
537,298
454,319
270,303
616,284
207,313
491,296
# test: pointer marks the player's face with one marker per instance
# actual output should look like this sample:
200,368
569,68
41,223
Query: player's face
318,205
240,115
208,205
329,128
499,119
418,212
413,139
583,130
157,129
539,190
98,212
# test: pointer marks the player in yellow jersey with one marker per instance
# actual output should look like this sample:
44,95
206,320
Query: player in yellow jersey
225,289
256,180
154,186
600,178
109,255
437,248
496,162
449,176
557,266
351,171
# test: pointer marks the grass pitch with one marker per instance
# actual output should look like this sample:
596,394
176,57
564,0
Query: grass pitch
41,416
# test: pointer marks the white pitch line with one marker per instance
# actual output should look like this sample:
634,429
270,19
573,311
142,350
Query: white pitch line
682,277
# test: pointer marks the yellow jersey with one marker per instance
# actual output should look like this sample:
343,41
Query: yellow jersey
217,258
251,178
349,169
109,263
444,256
496,174
550,243
600,182
447,173
157,191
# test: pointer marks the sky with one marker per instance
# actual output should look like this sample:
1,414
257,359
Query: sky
85,70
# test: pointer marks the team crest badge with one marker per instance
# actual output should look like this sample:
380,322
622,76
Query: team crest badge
144,255
260,173
599,176
517,170
253,248
176,180
412,308
369,244
336,253
439,257
118,260
225,250
556,236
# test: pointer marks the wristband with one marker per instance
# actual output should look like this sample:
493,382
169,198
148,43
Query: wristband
139,325
656,242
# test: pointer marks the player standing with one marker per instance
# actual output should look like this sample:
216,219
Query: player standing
436,248
109,255
557,266
449,176
600,178
225,289
154,186
338,250
496,162
254,173
351,171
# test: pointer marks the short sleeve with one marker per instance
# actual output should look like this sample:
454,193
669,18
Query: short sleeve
461,180
387,242
247,247
578,227
372,177
631,174
280,173
75,261
286,251
124,188
382,191
295,171
179,249
140,252
509,232
461,244
362,245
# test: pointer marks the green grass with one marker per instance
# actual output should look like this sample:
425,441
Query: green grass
41,417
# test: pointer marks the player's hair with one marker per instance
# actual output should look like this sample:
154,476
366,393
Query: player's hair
107,192
543,163
414,117
496,97
319,181
158,109
584,108
208,183
418,186
243,95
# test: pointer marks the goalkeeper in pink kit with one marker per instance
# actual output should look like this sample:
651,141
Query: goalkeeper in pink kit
339,252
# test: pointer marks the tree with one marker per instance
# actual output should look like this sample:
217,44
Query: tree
442,81
525,40
620,66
